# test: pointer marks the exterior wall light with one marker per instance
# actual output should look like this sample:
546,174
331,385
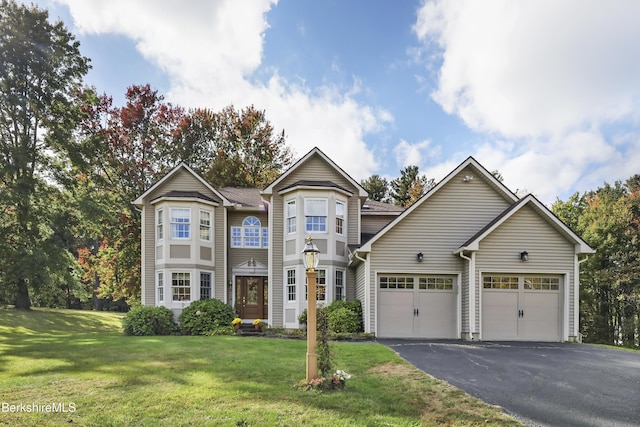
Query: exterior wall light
524,256
420,257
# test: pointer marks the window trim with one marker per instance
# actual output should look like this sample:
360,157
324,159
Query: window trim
159,225
174,232
240,232
160,286
190,286
207,227
322,225
292,287
210,287
342,218
339,273
291,222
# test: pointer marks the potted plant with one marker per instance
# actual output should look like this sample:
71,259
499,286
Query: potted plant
236,322
259,324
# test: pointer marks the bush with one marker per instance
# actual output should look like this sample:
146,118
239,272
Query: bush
343,320
147,320
353,306
205,316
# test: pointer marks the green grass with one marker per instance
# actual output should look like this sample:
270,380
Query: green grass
63,356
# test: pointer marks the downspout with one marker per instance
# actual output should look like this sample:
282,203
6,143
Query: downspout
474,335
576,299
367,293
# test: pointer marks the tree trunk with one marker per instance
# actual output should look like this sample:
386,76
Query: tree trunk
22,296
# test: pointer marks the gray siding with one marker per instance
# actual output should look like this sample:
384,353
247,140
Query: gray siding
526,230
371,224
437,227
180,181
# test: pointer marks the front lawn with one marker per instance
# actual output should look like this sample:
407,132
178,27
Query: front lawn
81,359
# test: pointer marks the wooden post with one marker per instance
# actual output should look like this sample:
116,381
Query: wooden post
312,356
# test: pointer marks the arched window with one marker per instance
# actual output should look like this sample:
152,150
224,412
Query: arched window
250,235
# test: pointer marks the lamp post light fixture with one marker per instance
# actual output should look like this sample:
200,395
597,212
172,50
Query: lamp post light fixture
311,258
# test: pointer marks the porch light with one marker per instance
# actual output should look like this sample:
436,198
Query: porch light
420,257
310,255
311,258
524,256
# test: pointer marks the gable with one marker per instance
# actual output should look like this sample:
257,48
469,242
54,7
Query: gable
316,166
458,207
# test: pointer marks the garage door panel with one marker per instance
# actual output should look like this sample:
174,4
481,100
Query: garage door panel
437,314
395,316
540,317
500,315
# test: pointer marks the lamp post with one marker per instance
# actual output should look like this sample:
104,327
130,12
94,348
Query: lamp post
311,258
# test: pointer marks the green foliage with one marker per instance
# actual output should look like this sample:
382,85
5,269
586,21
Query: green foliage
323,348
147,320
377,188
344,320
349,321
354,306
409,187
205,317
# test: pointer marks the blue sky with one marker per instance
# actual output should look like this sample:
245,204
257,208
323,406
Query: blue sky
546,92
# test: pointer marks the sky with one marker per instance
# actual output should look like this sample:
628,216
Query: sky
545,92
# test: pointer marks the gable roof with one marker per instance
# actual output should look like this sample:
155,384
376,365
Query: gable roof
182,166
581,247
315,152
470,161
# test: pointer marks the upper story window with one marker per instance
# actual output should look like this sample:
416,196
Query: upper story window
159,229
340,218
180,223
205,226
315,212
291,217
250,235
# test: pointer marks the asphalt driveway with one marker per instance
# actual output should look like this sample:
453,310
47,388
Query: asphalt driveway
542,384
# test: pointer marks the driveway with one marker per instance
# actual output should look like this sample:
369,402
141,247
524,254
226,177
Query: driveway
542,384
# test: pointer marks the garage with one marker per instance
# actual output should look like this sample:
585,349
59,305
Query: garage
421,306
521,307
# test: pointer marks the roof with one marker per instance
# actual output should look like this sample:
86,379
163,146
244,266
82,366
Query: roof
244,197
315,152
473,243
320,184
373,207
470,161
184,195
182,166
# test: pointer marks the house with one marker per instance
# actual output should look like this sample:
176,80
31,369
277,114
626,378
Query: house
469,260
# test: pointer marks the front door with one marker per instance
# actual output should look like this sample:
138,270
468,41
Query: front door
252,297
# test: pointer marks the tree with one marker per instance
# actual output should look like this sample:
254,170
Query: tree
245,151
409,187
41,71
377,187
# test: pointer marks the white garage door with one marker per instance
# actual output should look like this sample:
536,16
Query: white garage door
521,307
417,306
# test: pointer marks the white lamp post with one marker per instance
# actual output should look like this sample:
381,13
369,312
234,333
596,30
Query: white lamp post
311,258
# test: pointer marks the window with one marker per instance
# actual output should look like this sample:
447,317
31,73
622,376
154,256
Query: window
250,235
205,285
339,295
340,217
500,282
321,286
291,285
180,223
391,282
205,226
181,286
436,283
159,231
291,216
542,283
315,211
160,286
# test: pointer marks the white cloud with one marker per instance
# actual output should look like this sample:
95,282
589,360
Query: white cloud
532,68
540,79
407,154
211,50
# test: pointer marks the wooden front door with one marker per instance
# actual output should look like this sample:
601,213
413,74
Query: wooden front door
252,301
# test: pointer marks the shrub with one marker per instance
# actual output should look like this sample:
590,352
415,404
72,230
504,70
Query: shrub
147,320
205,316
353,306
343,320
